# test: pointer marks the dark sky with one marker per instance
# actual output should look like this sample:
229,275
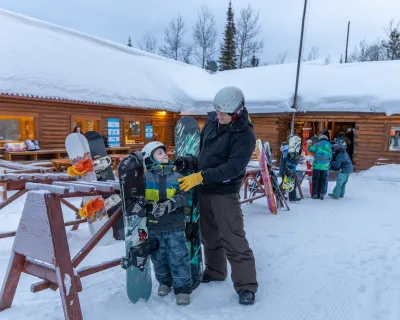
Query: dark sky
281,20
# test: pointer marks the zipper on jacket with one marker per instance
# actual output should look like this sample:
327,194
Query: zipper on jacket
163,186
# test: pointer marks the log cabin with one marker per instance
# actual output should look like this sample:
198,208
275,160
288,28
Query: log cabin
68,79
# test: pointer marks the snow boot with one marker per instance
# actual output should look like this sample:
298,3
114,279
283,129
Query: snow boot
321,197
246,297
314,196
163,290
332,196
182,299
207,278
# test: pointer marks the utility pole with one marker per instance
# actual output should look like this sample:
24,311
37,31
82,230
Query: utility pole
347,42
298,68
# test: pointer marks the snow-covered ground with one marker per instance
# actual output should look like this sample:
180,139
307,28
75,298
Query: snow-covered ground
331,259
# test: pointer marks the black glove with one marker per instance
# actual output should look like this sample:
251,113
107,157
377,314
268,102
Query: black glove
137,206
160,209
187,163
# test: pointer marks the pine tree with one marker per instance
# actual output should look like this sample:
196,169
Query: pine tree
129,42
393,45
227,60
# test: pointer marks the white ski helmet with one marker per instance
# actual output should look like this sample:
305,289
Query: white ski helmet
148,151
229,100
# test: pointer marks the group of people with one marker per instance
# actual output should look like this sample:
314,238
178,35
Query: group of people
325,156
226,145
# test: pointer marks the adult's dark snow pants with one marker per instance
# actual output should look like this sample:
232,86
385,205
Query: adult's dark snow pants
223,237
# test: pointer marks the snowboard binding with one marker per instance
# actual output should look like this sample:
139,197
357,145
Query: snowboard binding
139,254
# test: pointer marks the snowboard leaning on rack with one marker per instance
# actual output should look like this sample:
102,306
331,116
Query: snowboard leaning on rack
269,193
280,198
94,208
187,141
138,246
289,180
104,172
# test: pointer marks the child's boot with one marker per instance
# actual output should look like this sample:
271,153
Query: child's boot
163,290
182,299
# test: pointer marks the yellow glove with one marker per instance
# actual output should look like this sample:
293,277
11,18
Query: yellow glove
193,180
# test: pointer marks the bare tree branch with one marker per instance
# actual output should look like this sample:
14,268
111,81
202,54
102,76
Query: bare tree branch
313,54
173,37
204,35
281,57
328,59
148,43
248,28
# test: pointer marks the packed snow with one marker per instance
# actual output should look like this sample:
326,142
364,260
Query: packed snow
331,260
66,64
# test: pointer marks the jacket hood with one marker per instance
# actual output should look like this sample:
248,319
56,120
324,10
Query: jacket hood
236,125
323,137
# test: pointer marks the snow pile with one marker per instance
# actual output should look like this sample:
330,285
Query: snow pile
352,87
46,60
388,172
331,259
66,64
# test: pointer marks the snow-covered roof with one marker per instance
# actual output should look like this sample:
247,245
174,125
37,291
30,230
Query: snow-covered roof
45,60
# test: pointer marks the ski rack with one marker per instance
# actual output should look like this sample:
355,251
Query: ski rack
251,174
41,248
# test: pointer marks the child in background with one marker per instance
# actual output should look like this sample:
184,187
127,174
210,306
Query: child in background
341,161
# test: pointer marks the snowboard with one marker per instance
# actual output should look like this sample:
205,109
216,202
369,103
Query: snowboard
309,160
78,151
269,193
104,172
289,180
280,199
187,141
138,246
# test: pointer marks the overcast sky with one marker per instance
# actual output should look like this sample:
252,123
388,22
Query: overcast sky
281,20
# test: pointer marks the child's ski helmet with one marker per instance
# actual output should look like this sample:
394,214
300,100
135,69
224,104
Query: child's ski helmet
148,151
229,100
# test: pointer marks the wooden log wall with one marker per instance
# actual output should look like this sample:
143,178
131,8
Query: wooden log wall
53,118
266,128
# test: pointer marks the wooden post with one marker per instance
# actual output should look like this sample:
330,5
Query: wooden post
3,188
41,249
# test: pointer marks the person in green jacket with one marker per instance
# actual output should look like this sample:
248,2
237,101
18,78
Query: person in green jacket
322,158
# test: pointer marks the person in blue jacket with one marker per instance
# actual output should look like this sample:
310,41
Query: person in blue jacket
322,158
341,161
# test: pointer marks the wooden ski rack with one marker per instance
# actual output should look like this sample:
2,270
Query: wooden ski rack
41,248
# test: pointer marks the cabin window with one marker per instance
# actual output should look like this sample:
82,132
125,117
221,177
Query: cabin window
15,128
133,132
86,124
394,139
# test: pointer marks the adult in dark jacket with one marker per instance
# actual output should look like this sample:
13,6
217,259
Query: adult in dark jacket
226,145
341,161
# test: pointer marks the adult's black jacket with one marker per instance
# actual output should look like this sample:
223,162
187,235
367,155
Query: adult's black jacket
225,151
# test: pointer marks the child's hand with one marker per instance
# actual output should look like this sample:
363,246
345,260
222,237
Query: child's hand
159,209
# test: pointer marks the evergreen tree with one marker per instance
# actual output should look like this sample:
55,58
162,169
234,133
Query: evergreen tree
392,46
227,60
129,42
